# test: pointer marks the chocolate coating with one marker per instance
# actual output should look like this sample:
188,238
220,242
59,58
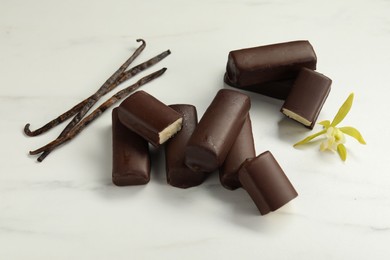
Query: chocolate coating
178,174
270,69
307,96
149,117
242,149
217,131
266,183
130,155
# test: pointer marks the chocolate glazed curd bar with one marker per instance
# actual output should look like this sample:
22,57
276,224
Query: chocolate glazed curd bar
271,69
307,96
130,155
266,183
149,117
242,149
217,131
178,174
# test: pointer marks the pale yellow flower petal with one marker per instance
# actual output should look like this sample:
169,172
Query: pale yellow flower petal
310,137
351,131
330,132
338,135
328,144
342,152
325,123
324,146
343,111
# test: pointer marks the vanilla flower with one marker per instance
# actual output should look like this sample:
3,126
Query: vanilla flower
335,136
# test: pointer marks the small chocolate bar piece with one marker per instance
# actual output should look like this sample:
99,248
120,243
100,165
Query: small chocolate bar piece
149,117
307,96
217,131
266,183
270,69
130,155
242,149
178,174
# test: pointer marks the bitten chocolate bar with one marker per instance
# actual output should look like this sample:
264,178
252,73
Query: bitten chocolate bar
178,174
307,96
266,183
271,69
217,131
130,155
149,117
242,149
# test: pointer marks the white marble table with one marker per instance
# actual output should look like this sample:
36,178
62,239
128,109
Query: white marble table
55,53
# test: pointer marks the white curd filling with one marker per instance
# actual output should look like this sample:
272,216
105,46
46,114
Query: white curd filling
170,130
296,117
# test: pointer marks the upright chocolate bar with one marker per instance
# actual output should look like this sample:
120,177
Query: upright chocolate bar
217,131
266,183
178,174
242,149
270,69
149,117
307,96
130,155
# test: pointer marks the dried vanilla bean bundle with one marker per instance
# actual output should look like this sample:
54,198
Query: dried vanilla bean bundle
82,108
76,109
96,113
